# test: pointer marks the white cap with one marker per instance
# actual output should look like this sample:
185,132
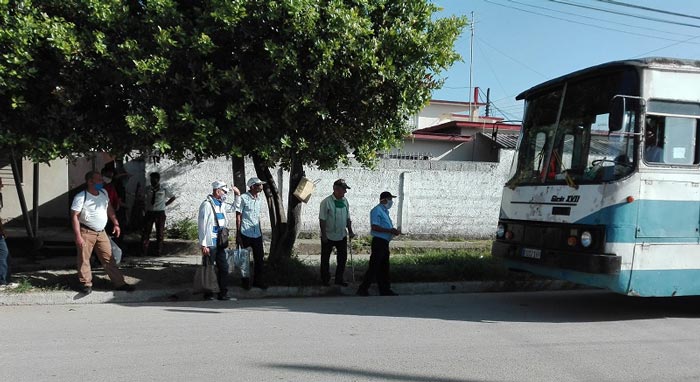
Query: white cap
220,185
253,181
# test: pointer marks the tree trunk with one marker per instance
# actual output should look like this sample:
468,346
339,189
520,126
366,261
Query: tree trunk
285,228
238,167
293,210
278,219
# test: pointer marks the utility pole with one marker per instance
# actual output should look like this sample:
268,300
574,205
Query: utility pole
471,67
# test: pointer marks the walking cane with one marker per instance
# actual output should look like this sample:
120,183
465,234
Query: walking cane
352,263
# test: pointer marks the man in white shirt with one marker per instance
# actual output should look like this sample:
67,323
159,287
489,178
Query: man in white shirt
248,229
334,219
89,213
157,198
211,219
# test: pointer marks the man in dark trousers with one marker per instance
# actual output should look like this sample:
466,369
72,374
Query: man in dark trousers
334,219
382,232
248,229
157,198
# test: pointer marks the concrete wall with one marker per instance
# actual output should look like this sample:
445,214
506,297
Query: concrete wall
53,196
435,197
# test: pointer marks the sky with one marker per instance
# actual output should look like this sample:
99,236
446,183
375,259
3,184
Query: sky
518,44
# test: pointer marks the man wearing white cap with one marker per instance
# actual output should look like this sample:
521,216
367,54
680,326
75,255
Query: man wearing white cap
248,229
211,220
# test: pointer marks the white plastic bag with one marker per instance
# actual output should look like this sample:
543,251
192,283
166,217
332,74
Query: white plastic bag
239,259
116,251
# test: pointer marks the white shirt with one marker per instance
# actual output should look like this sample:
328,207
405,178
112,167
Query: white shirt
206,223
162,195
92,209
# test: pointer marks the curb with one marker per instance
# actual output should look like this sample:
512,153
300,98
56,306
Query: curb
185,294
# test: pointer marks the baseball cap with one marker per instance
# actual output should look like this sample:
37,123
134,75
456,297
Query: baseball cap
253,181
220,185
341,183
386,195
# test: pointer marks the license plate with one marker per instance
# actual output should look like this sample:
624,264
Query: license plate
532,253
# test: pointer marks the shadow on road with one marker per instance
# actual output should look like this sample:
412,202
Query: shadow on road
333,372
549,307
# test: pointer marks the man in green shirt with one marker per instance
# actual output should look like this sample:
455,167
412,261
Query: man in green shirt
334,219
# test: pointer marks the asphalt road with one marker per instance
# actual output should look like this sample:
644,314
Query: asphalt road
536,336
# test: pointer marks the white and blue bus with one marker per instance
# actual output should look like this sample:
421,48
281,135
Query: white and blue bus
605,184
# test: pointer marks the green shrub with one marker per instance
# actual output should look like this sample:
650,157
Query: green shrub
185,229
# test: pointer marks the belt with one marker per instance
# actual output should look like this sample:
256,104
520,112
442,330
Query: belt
89,229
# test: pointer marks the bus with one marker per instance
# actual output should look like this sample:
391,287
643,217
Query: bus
604,189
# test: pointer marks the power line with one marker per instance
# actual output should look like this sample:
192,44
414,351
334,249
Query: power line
488,63
512,58
620,3
623,13
586,24
597,19
668,46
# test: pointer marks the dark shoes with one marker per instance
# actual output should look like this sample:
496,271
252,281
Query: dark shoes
362,292
208,296
223,297
126,288
84,289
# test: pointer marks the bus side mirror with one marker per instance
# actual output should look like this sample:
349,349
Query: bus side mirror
618,113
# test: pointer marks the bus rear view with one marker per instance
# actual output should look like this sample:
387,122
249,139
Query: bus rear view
605,185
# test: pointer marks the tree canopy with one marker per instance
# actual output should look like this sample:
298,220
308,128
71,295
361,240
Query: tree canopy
287,82
305,79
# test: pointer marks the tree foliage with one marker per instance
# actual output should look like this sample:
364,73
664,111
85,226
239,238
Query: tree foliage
288,82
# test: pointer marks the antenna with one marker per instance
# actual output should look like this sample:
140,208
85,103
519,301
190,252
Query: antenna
471,67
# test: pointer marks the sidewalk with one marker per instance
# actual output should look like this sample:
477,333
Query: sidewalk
169,277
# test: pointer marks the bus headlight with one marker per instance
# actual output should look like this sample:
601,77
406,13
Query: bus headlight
500,231
586,239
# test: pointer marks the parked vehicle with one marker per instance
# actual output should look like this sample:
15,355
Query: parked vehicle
605,185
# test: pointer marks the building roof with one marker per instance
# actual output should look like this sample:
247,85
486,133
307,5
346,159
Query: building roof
456,103
506,141
452,126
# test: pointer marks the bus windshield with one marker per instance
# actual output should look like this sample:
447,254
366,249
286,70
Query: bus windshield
566,139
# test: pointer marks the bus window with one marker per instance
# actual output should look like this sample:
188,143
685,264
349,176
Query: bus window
671,133
671,140
540,141
680,141
654,139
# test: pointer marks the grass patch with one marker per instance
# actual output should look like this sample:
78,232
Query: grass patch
436,265
24,286
291,272
185,229
424,265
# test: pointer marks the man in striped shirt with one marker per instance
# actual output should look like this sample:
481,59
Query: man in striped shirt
212,218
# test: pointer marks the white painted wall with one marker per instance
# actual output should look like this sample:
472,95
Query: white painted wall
435,197
53,183
436,113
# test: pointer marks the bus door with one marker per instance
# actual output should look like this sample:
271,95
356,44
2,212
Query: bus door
669,205
668,208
